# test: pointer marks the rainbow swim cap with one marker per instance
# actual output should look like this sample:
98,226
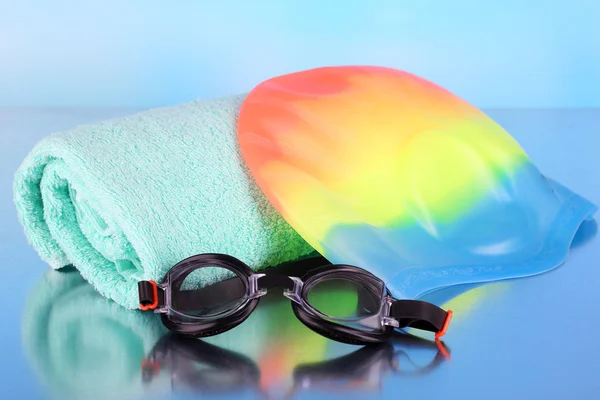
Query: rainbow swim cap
381,169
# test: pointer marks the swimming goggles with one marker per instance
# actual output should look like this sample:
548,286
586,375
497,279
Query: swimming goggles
208,294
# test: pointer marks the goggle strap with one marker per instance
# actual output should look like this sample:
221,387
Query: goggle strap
421,315
279,276
222,291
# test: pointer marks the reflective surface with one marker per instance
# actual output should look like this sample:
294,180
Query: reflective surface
530,338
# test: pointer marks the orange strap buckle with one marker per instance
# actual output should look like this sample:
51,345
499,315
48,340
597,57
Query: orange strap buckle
442,331
154,303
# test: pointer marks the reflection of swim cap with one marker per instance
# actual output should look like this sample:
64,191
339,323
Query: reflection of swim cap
83,345
280,341
384,170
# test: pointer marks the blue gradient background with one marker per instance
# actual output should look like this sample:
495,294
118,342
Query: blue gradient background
514,53
532,65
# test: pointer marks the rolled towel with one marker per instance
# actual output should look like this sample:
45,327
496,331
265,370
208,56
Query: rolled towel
124,200
82,345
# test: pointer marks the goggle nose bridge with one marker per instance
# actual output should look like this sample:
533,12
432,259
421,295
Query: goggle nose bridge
292,286
254,291
294,294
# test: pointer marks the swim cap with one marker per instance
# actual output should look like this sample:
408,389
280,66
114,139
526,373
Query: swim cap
384,170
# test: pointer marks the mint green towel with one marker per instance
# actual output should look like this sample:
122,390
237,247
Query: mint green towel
124,200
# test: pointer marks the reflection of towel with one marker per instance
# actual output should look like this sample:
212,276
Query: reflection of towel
83,345
126,199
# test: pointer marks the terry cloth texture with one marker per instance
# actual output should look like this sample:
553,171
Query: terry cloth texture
126,199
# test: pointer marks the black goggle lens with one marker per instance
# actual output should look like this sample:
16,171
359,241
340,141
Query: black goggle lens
348,302
208,292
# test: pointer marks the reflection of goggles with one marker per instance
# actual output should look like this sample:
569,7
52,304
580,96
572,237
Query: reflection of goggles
365,368
200,366
206,368
341,302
